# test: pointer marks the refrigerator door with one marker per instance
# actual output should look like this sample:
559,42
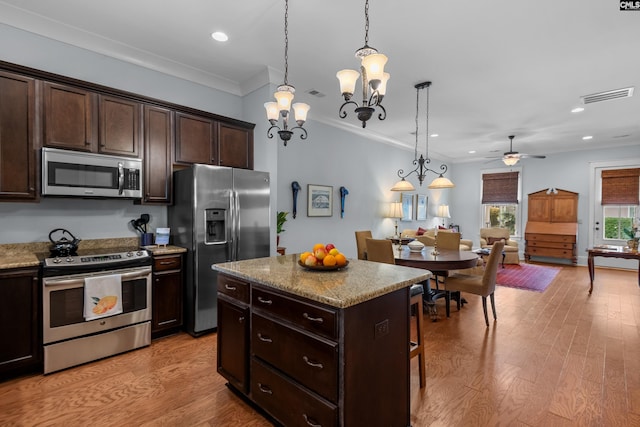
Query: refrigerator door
252,213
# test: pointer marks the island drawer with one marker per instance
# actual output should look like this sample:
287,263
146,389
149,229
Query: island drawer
310,360
288,402
234,288
314,318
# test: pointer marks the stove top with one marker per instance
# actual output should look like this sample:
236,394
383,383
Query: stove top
96,260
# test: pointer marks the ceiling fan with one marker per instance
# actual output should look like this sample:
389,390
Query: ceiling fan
511,157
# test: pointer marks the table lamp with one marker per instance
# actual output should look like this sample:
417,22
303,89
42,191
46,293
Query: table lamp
443,212
395,211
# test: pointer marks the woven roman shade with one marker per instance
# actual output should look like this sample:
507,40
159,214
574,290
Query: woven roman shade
500,187
621,186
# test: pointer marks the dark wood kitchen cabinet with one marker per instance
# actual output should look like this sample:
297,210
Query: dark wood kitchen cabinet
167,292
158,145
79,119
18,140
20,322
196,140
235,146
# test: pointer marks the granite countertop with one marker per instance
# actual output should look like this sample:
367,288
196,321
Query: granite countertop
164,250
360,281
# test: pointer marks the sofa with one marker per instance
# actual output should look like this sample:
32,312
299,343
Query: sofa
428,237
489,235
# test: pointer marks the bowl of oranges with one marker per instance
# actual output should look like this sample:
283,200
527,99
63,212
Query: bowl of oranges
323,258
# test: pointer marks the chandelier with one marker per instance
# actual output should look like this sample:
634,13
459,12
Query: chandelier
284,96
421,170
374,80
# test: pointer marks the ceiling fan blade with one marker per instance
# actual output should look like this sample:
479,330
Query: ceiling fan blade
531,156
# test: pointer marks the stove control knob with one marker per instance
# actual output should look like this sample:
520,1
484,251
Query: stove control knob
139,253
69,260
56,260
129,254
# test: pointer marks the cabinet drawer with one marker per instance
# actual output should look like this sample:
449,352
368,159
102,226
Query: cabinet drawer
550,252
170,262
288,402
550,237
311,361
556,245
316,319
234,288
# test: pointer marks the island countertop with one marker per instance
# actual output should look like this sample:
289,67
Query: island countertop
358,282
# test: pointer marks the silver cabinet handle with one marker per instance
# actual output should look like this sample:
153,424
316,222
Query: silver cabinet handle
310,421
310,363
229,287
265,389
265,301
264,338
313,319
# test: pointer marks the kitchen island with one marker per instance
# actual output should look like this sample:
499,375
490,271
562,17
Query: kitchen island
327,348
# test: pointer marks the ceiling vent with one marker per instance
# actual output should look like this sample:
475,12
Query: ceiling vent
607,96
315,93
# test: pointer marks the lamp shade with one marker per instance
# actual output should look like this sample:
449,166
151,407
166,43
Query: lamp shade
374,65
300,110
510,161
348,79
403,185
382,89
272,110
395,210
441,182
283,98
443,211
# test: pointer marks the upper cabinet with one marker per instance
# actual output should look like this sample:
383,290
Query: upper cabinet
195,139
18,140
158,143
78,119
235,146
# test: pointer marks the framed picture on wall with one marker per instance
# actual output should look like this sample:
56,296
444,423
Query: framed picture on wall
421,207
407,207
319,200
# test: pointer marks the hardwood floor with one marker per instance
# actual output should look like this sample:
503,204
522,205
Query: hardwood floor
558,358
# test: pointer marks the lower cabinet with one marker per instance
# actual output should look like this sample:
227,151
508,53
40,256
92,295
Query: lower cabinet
20,322
308,364
167,291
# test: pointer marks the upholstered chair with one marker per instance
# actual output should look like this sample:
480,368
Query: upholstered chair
484,285
448,240
361,244
490,235
381,250
429,237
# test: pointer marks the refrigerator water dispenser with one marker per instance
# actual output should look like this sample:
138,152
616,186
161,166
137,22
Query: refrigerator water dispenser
215,230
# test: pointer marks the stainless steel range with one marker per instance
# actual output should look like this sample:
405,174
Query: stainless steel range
68,338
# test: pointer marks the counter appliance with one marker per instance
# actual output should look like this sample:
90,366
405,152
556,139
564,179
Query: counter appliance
219,214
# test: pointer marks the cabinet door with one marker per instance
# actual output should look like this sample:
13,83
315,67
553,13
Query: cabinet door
158,142
120,126
17,138
539,209
167,301
235,147
70,118
565,209
195,139
20,320
233,343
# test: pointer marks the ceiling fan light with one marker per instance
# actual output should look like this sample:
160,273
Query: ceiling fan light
510,161
441,182
403,185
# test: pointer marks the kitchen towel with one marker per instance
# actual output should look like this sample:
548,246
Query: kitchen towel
102,296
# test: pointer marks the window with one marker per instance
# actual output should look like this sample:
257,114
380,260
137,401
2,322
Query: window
620,199
618,221
500,200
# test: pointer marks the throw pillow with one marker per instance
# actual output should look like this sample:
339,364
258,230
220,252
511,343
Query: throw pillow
421,231
492,240
442,228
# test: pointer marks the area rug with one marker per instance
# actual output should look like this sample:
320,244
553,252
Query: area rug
530,277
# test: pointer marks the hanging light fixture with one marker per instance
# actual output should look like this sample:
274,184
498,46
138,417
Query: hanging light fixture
374,80
421,169
284,96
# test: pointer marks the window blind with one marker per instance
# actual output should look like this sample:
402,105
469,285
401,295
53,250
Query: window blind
500,187
621,186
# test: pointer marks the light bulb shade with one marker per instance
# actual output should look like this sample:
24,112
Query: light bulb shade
403,185
441,182
443,211
374,65
510,161
283,98
348,79
382,89
300,110
395,210
272,110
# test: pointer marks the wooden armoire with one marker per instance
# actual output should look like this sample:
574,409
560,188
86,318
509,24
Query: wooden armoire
552,225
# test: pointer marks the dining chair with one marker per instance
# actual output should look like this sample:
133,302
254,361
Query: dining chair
484,285
381,250
361,244
447,240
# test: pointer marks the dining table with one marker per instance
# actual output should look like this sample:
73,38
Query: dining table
439,262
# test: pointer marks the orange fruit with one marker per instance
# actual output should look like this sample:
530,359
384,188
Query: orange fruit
340,259
329,261
318,246
304,255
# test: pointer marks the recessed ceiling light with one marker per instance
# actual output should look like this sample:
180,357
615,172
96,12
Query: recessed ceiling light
434,135
472,152
585,138
577,110
219,36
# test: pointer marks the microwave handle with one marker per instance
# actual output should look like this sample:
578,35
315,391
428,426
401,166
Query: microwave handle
120,178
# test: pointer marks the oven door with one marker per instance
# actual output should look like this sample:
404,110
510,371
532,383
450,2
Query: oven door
63,304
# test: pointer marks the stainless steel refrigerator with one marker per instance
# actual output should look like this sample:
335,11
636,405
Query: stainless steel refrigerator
219,214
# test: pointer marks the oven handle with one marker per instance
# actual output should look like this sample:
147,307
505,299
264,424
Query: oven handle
120,178
80,280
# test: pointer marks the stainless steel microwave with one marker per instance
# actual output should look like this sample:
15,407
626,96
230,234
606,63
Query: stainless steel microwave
76,173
